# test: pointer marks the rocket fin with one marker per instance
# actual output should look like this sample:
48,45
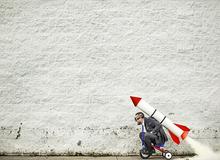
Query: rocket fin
174,137
184,128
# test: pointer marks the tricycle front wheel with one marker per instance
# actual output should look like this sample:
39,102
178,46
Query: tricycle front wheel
144,155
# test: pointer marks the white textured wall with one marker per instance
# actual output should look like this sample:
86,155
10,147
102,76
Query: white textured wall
68,67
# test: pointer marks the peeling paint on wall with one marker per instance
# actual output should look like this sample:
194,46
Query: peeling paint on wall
19,131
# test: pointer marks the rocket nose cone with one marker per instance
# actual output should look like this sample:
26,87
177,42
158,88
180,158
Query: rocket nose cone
135,100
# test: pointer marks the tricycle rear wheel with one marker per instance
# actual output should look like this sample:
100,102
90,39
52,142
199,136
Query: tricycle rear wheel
166,154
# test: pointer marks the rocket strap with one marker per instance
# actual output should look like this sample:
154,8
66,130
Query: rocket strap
163,119
154,112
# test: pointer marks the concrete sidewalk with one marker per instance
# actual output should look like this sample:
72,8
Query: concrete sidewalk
80,158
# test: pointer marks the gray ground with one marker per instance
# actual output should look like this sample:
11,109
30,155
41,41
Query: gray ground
78,158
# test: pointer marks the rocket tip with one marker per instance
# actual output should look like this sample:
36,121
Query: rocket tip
135,100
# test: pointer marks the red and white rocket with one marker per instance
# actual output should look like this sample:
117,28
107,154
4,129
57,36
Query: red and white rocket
177,132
